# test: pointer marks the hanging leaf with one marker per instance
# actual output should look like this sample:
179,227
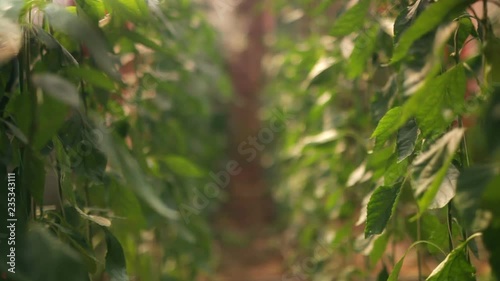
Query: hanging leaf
395,171
115,258
447,189
430,168
182,166
352,20
380,208
75,27
436,105
92,77
58,88
406,18
16,131
383,274
378,250
36,264
322,72
386,125
406,139
49,42
429,19
120,158
362,52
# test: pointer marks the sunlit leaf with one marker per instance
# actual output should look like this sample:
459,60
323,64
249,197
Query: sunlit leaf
431,167
386,125
454,267
182,166
490,240
438,102
395,171
447,189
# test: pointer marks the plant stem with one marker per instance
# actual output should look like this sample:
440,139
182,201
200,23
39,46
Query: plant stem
450,226
419,254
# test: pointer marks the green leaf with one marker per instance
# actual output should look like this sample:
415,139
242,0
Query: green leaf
51,115
395,171
38,123
406,139
80,244
352,20
126,10
383,274
182,166
386,125
33,177
322,72
378,250
50,42
427,21
92,77
115,258
380,208
438,102
139,38
36,264
125,204
62,20
455,266
94,9
362,52
431,167
16,131
465,29
433,230
447,189
58,88
406,18
121,160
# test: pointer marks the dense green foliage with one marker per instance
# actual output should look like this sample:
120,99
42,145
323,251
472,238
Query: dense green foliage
116,112
378,124
116,107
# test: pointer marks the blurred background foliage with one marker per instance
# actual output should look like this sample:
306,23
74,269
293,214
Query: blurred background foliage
119,110
115,111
